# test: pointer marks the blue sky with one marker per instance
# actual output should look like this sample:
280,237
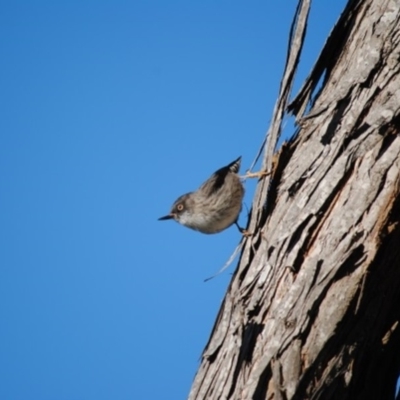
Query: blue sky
111,110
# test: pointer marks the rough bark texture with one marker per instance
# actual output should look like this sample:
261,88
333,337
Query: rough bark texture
313,308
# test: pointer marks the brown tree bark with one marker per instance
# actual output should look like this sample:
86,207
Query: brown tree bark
313,309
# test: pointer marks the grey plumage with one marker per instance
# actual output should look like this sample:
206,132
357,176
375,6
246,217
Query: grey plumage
213,207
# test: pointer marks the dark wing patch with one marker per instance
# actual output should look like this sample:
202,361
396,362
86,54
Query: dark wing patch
217,179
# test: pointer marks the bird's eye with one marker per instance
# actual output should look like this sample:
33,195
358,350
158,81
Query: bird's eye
179,207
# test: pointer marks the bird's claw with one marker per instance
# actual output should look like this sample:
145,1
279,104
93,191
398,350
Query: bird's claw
243,231
246,233
258,174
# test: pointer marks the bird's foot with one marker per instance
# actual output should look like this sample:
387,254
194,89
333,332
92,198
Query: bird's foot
258,174
246,233
243,231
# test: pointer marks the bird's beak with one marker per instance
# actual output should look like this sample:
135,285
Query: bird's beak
169,216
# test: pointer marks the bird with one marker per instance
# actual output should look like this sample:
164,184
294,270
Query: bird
215,205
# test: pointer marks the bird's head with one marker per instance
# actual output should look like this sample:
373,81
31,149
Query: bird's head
180,210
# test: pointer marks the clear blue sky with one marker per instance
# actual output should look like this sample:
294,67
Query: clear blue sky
109,111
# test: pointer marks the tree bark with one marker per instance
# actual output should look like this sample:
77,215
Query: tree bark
313,309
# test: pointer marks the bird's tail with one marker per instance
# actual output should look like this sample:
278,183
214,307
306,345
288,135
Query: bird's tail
235,165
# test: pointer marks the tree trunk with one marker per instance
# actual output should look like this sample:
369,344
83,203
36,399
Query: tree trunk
313,308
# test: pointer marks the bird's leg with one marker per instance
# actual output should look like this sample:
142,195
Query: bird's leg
258,174
243,231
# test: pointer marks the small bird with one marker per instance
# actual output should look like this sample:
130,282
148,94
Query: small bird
215,205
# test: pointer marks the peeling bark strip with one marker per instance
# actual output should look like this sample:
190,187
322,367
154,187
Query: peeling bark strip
313,308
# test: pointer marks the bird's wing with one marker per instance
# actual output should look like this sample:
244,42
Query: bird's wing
217,179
